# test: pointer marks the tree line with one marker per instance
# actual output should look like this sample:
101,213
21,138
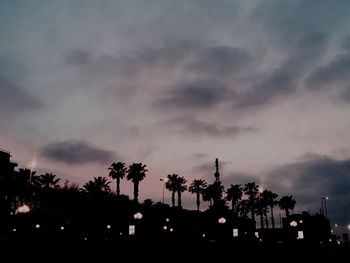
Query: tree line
248,200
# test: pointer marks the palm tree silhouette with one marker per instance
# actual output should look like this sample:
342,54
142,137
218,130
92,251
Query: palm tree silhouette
171,185
251,190
98,185
271,201
136,173
198,187
234,194
180,187
213,194
48,180
118,171
287,203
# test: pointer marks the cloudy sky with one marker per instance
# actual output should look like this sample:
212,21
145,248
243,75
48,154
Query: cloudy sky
263,85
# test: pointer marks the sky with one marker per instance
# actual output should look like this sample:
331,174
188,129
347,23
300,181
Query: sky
263,85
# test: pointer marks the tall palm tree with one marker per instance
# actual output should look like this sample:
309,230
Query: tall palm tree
48,180
136,173
259,209
171,185
243,208
98,185
118,171
271,201
180,187
234,194
213,194
198,187
287,203
251,190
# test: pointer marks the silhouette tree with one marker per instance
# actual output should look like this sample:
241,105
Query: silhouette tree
118,171
98,185
48,180
271,201
136,173
243,208
21,189
287,203
259,209
198,187
251,190
234,194
213,194
171,186
180,187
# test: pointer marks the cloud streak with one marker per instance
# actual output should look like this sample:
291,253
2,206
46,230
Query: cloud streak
76,152
194,127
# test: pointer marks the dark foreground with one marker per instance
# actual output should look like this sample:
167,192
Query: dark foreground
148,250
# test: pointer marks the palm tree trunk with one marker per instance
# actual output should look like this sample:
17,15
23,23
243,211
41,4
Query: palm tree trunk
118,186
287,212
266,219
173,198
198,200
179,198
136,191
272,219
261,220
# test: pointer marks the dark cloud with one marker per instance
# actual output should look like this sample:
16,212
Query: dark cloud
169,54
195,95
281,83
315,176
14,99
220,60
194,127
333,75
76,152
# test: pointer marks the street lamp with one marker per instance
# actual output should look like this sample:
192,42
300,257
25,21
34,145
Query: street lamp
164,180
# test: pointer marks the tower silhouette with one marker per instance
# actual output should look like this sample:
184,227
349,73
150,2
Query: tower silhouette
217,173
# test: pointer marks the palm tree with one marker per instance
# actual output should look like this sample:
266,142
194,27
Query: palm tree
243,208
213,194
198,187
287,203
98,185
136,173
271,201
118,171
171,186
234,194
48,180
251,190
180,187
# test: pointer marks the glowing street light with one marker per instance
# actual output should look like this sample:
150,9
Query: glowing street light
138,216
23,209
293,223
37,226
222,220
108,226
